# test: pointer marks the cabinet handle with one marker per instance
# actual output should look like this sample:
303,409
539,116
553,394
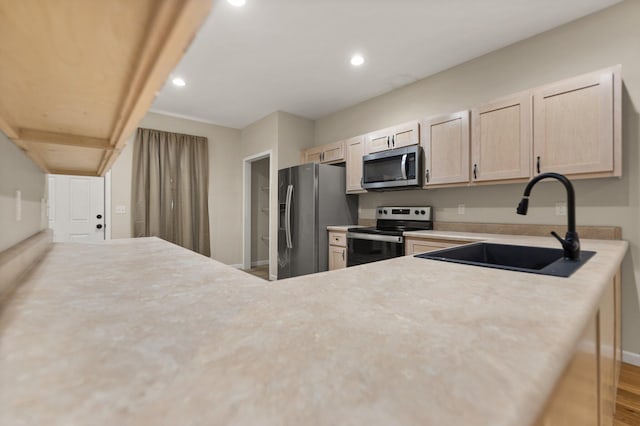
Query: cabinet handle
538,164
393,141
342,254
426,175
475,171
361,182
388,143
322,156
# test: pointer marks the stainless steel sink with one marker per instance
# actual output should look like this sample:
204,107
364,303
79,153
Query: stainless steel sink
535,260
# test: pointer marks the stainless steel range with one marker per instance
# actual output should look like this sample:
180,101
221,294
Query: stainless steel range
385,240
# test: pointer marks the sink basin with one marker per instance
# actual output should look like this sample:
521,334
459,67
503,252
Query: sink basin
535,260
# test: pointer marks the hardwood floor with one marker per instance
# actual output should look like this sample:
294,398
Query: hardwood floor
628,399
260,272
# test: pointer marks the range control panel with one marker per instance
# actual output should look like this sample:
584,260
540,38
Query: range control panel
404,213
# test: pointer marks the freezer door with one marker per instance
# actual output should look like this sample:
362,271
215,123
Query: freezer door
304,220
284,254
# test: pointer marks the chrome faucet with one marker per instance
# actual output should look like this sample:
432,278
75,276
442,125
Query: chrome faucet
571,242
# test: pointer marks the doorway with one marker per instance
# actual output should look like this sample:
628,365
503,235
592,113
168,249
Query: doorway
257,214
77,208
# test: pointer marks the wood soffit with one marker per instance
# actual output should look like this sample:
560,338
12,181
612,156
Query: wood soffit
77,78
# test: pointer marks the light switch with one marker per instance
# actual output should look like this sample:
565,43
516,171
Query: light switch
18,205
121,209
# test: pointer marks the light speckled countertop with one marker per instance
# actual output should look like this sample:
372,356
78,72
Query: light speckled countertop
342,228
137,332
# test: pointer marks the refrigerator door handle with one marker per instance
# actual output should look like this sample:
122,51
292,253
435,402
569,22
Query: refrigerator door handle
403,166
287,214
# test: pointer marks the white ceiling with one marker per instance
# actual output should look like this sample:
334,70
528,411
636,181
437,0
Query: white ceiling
293,55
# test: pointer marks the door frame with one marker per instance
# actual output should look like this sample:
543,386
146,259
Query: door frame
246,207
107,205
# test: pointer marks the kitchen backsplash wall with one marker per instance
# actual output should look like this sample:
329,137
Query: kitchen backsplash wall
497,203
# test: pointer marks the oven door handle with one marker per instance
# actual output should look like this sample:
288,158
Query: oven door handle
403,166
375,237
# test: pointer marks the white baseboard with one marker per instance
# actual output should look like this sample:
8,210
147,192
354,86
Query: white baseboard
631,358
259,263
273,277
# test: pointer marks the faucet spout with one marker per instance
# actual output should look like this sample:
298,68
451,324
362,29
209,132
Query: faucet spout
571,242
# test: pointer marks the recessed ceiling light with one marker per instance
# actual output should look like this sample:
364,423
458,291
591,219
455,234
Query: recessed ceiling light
237,3
179,82
357,60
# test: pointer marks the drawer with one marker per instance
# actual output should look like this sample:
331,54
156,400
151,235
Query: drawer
338,239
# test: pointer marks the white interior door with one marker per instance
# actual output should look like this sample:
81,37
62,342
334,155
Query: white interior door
76,208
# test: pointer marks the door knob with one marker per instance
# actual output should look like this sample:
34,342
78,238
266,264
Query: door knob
99,216
99,226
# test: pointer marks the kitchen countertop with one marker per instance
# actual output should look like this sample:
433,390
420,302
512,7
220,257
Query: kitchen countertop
140,331
342,228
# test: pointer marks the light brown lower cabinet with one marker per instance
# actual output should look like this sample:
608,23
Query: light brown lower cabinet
413,245
585,395
337,250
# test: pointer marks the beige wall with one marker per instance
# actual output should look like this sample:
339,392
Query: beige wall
597,41
284,135
294,134
18,172
258,138
259,217
225,179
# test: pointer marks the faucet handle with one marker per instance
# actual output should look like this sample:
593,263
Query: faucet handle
562,240
570,244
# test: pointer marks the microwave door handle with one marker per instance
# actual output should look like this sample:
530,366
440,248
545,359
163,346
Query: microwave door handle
403,166
287,214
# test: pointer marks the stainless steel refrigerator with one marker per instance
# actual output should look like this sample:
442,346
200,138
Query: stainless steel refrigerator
310,198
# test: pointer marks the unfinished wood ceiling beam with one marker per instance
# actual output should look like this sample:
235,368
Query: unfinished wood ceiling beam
7,128
79,77
38,136
168,38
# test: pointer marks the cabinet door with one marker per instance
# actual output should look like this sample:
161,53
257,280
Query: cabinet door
355,150
607,342
445,140
501,139
337,257
423,245
332,153
377,141
574,125
312,155
575,398
405,134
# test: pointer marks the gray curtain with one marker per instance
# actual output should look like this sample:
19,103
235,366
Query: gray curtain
170,188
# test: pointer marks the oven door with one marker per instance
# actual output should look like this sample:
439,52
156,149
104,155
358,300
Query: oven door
393,169
365,248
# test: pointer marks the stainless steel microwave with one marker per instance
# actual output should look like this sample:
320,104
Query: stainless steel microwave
398,168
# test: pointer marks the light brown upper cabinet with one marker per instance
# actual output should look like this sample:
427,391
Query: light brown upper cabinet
501,139
577,125
355,150
445,141
392,137
327,154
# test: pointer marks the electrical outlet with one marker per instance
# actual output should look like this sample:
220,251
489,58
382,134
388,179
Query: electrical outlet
460,208
121,209
561,209
18,205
